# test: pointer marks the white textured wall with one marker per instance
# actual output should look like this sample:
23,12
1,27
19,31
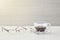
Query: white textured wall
26,12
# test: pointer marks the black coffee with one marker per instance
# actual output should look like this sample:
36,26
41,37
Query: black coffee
40,29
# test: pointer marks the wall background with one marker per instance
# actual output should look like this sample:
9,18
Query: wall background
26,12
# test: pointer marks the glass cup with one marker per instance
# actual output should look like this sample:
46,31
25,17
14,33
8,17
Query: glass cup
41,27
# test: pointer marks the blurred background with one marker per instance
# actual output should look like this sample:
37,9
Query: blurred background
27,12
